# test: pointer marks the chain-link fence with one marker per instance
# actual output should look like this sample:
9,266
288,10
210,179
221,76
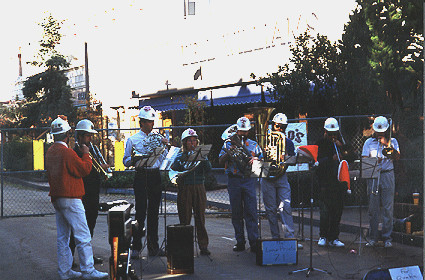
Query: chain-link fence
25,191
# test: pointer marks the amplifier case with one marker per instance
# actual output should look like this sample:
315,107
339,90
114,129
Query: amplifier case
180,249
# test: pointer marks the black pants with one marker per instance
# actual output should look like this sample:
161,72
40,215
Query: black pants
331,202
147,194
91,207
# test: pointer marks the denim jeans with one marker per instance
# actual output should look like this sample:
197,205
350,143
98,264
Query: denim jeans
70,215
385,197
277,202
243,203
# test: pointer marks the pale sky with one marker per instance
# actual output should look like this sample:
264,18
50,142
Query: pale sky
138,45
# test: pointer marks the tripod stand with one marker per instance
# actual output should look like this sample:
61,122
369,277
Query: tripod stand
311,268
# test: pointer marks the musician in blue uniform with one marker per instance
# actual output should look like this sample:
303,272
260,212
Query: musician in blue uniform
147,182
241,187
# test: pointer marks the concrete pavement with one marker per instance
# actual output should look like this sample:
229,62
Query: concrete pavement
28,251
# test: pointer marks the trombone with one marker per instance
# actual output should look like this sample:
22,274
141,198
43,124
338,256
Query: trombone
96,165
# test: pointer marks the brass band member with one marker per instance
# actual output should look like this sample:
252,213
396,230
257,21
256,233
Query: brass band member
277,191
332,191
191,190
85,131
381,191
241,188
65,170
147,182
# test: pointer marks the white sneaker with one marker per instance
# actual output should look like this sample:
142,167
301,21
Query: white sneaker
300,246
71,274
336,243
95,275
322,242
388,244
135,254
371,243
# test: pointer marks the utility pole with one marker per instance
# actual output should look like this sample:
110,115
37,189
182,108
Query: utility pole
86,68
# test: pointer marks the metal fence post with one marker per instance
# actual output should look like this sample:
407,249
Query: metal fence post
1,166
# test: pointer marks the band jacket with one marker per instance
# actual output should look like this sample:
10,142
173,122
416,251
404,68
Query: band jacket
195,177
65,170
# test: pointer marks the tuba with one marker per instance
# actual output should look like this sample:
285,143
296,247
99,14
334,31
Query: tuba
272,142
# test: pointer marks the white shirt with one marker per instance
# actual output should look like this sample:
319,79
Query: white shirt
373,148
140,142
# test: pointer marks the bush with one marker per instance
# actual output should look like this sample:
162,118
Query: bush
120,180
18,155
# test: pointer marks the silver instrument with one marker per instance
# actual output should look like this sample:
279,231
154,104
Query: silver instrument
96,165
188,167
239,154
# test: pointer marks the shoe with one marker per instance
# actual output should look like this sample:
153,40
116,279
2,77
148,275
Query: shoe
336,243
97,260
239,247
135,254
322,242
388,244
71,274
205,252
253,249
371,243
300,246
95,275
157,252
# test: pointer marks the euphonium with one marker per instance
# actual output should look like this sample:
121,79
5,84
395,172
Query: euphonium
239,154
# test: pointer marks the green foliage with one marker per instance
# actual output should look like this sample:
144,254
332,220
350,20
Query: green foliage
18,154
195,112
120,180
47,93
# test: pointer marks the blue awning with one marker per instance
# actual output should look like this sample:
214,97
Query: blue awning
168,104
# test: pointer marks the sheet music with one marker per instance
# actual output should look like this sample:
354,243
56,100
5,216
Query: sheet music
169,159
201,152
149,161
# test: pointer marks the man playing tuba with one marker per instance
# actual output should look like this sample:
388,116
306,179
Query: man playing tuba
277,191
191,190
241,188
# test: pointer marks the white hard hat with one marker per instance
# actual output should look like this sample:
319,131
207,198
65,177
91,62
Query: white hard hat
188,133
85,125
59,125
380,124
331,124
147,113
243,124
280,118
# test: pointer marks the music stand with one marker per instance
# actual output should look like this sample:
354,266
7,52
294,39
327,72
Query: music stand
310,268
369,169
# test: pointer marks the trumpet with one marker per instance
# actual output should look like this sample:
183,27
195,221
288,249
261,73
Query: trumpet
96,165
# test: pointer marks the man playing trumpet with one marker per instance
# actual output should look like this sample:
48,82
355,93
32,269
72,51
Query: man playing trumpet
381,190
85,131
191,190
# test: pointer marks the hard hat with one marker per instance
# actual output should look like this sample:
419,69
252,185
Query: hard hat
380,124
331,124
147,113
280,118
188,133
59,125
85,125
243,124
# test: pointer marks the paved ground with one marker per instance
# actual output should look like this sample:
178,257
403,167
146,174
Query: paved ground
28,251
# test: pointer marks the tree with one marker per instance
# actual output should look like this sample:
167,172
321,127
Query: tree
47,93
307,85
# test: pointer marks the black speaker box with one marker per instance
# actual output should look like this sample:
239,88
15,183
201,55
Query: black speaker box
180,249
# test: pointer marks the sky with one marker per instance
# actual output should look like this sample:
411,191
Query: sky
139,45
